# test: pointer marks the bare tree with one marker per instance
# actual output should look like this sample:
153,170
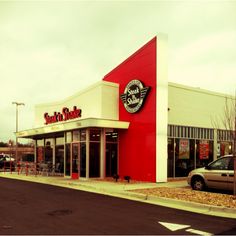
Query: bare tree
230,124
228,121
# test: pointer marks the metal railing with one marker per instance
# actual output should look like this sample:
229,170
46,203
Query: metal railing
32,168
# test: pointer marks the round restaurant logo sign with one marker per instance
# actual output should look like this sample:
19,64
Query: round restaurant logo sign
134,96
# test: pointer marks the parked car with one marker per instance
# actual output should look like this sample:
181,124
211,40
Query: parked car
7,161
219,174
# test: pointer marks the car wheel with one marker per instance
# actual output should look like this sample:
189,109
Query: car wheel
198,184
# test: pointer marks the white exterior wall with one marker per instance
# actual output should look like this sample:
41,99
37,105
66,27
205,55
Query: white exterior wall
97,101
194,107
110,102
161,108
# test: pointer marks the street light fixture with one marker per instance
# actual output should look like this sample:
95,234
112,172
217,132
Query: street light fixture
17,104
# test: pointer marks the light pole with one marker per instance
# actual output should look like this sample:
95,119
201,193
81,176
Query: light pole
17,104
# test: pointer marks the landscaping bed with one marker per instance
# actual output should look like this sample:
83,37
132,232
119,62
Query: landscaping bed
187,194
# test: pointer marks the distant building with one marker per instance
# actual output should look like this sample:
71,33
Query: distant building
23,153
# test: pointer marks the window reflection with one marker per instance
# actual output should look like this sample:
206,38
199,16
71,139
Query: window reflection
112,136
95,135
185,155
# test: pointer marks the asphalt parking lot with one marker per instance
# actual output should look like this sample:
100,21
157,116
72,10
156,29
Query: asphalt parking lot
31,208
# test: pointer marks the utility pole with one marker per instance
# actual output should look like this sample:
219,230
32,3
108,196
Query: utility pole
17,104
234,150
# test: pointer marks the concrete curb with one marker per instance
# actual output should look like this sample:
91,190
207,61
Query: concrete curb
198,207
124,193
172,203
187,206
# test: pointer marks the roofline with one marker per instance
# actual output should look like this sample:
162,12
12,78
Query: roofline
131,56
62,101
199,90
78,124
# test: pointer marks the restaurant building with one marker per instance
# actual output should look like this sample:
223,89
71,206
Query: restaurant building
132,123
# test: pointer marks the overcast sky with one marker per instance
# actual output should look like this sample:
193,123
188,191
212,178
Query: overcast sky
51,49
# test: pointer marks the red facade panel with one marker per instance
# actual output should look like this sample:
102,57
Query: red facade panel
137,145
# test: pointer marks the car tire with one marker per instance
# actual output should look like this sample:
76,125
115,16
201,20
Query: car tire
198,183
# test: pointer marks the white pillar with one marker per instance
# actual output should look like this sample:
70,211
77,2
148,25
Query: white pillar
102,153
161,108
215,145
35,151
64,167
54,151
87,153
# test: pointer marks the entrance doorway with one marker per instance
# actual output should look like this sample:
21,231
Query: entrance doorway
111,159
59,159
94,159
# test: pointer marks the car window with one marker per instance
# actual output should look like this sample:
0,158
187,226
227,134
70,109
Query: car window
221,164
231,164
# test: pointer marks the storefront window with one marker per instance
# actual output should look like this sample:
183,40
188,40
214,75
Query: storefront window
75,158
48,151
68,137
83,135
192,155
59,159
188,148
204,153
184,157
48,154
94,153
83,159
39,150
60,141
40,154
95,135
111,152
40,142
111,159
111,135
94,159
49,142
225,148
67,159
76,134
76,153
170,171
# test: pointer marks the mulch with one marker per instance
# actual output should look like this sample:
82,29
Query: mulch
187,194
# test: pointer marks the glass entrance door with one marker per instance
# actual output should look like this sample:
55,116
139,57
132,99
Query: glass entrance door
94,159
111,159
59,159
75,160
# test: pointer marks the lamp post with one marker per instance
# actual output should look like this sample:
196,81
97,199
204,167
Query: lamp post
17,104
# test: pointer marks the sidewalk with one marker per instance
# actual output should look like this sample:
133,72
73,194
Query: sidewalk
123,189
